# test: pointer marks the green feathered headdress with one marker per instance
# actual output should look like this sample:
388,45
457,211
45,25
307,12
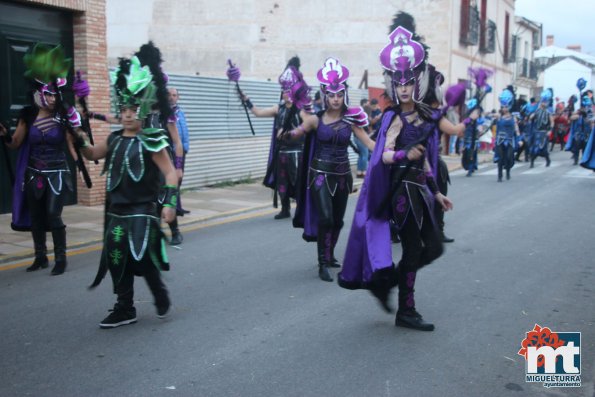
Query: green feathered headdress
133,86
47,64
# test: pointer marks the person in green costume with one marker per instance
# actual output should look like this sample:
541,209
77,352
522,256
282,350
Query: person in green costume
135,157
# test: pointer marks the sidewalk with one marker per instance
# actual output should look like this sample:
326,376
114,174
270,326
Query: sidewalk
206,206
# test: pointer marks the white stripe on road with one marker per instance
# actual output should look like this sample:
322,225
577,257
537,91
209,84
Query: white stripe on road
580,172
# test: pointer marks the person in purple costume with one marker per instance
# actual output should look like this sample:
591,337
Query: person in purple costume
285,156
42,172
399,186
326,178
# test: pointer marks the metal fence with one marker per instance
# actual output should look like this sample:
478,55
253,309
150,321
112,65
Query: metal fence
222,148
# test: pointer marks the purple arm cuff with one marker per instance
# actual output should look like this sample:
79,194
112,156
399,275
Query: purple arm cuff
179,162
467,121
399,156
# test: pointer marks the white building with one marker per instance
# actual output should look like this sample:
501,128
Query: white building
562,68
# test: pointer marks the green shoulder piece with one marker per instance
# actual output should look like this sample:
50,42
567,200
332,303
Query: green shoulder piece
153,139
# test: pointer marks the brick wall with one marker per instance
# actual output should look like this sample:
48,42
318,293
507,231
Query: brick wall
90,56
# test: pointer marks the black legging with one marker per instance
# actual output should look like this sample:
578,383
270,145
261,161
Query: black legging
125,288
45,207
505,158
420,247
331,211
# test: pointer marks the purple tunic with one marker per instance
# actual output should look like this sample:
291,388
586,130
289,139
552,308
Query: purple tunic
327,145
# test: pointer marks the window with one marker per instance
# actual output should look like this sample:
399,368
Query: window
469,34
506,38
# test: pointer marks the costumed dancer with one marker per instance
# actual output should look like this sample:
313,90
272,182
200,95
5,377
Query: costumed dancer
285,156
455,97
561,125
326,178
580,129
542,122
506,131
163,116
43,134
399,185
137,161
588,159
525,139
471,142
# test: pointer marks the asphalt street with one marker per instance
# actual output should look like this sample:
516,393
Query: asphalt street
251,317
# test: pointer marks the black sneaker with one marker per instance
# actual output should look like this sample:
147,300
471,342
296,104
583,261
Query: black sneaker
119,317
283,215
412,319
163,309
176,239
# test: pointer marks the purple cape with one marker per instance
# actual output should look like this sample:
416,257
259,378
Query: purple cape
369,245
306,216
270,177
21,220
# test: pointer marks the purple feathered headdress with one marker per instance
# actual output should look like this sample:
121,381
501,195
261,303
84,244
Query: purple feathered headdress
333,77
292,82
404,60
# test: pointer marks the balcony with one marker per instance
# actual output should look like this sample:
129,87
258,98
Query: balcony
526,69
488,38
510,53
469,26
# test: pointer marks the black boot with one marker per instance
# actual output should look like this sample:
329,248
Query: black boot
407,316
324,243
176,236
59,236
499,174
285,209
334,238
412,319
41,259
283,214
508,174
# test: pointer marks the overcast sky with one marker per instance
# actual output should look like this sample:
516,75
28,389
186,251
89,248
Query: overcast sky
570,21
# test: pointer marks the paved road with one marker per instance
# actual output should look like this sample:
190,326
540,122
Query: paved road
251,317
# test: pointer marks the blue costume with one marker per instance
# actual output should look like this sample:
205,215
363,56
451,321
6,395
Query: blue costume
580,130
541,125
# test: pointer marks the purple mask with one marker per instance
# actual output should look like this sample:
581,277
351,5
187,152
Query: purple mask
403,59
402,55
333,75
51,88
292,82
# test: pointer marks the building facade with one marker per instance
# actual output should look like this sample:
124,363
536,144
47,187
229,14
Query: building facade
198,37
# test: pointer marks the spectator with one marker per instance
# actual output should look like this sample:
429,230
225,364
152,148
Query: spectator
174,96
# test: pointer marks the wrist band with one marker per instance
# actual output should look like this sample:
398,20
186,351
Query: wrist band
79,141
399,156
179,162
431,182
98,116
467,121
169,196
295,131
249,104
